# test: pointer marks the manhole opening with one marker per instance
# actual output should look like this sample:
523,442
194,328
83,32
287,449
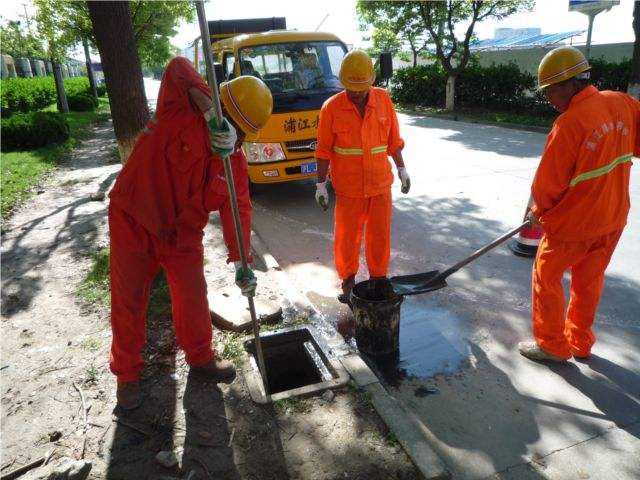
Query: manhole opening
292,359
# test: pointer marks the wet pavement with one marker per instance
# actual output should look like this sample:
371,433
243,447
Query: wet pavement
487,409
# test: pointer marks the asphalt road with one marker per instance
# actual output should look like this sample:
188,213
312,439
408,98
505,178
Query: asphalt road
488,409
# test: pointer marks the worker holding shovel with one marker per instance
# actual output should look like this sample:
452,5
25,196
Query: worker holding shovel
159,207
358,130
581,196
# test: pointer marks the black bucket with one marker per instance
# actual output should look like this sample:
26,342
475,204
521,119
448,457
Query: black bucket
377,310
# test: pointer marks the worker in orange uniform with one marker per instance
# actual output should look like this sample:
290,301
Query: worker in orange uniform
581,200
358,130
159,207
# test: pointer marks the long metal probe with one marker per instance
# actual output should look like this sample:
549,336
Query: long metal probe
211,77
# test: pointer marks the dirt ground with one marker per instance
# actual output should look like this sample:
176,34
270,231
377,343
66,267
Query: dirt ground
55,351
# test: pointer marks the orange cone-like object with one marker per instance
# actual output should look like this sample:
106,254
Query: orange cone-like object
527,241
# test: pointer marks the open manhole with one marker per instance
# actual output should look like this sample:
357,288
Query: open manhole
296,364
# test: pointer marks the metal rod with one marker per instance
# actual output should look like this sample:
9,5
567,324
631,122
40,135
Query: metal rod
211,77
478,253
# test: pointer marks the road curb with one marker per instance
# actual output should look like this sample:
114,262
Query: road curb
407,428
463,119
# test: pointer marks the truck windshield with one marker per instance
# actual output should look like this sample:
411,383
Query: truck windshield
301,75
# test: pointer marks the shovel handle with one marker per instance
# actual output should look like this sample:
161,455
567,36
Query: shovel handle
480,252
215,98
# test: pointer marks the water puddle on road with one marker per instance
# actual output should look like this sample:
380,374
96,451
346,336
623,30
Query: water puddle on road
432,341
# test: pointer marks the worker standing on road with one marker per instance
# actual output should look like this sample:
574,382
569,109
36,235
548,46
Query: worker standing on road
159,207
358,130
581,196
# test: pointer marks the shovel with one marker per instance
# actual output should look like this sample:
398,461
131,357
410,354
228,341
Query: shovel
435,280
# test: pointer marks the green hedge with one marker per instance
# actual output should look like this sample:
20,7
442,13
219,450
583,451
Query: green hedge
498,87
81,102
76,86
420,85
610,76
26,94
31,94
33,130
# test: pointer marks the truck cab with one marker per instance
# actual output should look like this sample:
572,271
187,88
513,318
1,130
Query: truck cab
301,70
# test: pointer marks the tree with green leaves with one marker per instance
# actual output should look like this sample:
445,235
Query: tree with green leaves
59,41
73,19
20,43
439,20
394,25
384,40
114,36
154,23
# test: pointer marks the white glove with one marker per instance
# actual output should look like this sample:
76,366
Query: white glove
223,139
404,178
322,197
245,280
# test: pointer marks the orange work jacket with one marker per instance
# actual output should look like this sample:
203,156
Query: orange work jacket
581,187
358,148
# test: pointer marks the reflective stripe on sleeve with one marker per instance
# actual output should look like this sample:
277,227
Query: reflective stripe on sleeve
598,172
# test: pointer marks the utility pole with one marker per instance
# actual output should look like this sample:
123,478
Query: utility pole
320,24
591,9
26,18
592,17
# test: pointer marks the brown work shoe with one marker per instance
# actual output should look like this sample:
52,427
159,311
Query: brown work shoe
128,395
532,351
222,371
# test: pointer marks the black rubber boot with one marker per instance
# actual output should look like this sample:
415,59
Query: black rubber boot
347,285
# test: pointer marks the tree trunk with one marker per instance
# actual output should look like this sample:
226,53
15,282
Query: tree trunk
92,78
113,30
415,58
634,80
63,106
449,104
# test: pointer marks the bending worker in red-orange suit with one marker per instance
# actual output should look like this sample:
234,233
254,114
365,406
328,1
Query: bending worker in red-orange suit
357,132
581,196
159,207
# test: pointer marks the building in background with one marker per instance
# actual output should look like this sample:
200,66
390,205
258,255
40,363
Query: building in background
526,46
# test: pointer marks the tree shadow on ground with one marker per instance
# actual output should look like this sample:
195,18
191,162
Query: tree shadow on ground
485,138
467,433
26,249
612,389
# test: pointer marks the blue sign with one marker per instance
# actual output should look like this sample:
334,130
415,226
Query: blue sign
591,5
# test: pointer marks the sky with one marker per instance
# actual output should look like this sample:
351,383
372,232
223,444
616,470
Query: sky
339,17
552,16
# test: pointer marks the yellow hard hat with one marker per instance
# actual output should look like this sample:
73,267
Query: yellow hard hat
248,102
561,64
356,71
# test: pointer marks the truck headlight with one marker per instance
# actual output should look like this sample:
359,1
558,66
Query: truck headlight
263,152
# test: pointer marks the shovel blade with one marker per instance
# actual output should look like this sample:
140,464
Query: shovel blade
417,283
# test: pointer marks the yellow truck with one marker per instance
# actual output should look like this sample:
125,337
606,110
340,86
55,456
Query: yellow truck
301,70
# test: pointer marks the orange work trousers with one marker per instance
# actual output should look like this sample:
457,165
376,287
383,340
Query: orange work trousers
559,333
135,259
352,216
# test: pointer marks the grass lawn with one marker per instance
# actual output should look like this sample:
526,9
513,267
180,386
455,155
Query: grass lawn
480,116
22,170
